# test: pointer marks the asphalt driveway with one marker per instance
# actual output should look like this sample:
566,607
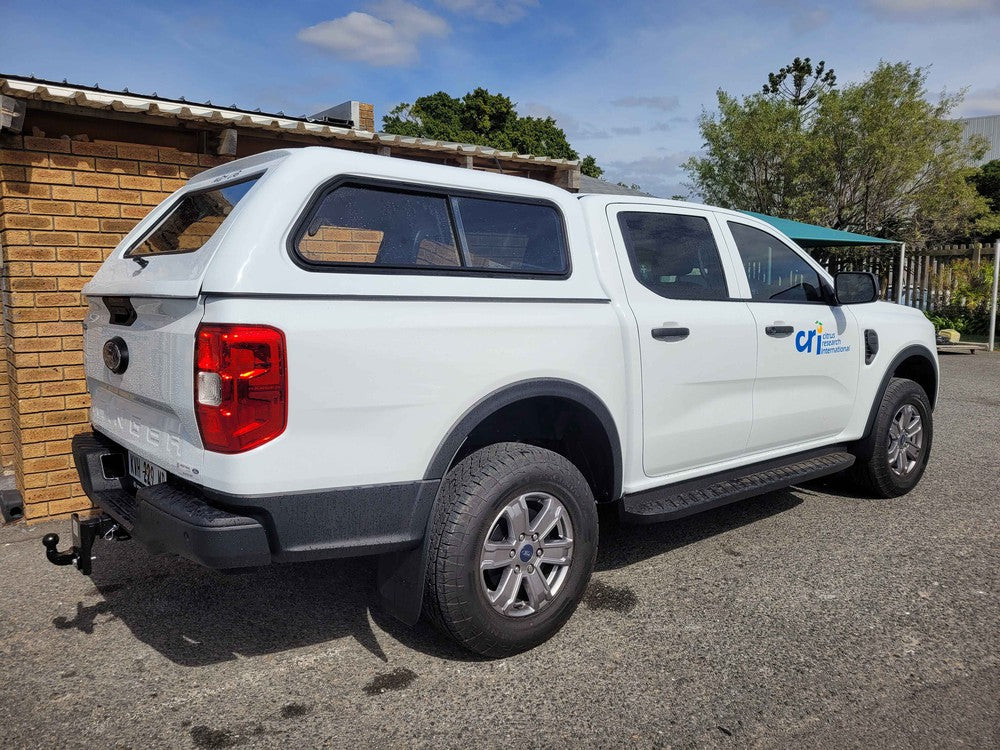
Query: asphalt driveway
807,618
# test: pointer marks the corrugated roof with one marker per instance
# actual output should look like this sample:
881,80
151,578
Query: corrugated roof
125,101
989,128
595,185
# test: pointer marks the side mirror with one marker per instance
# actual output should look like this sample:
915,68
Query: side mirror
855,287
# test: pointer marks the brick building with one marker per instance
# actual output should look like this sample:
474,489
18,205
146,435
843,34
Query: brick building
78,168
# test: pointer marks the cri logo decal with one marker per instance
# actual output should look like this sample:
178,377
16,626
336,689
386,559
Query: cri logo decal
825,343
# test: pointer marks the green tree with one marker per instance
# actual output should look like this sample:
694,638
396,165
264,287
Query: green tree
589,167
486,119
754,153
875,157
987,183
437,116
887,160
799,83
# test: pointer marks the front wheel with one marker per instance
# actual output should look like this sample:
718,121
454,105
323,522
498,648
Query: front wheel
893,458
512,547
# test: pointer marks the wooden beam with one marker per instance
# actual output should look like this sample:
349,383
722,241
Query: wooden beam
11,114
568,179
227,143
251,140
77,110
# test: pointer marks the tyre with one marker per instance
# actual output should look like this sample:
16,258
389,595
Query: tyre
512,546
892,459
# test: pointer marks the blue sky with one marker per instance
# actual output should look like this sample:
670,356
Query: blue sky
625,79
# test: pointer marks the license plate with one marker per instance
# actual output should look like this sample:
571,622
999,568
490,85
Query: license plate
144,472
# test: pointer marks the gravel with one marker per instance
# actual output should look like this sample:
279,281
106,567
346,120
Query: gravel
808,618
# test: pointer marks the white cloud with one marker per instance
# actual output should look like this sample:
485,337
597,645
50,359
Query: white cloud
809,19
803,17
938,8
497,11
981,102
573,127
387,36
660,175
663,103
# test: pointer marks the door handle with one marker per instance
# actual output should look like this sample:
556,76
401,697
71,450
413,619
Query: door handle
671,334
779,330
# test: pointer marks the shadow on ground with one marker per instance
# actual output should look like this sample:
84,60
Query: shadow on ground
625,544
194,616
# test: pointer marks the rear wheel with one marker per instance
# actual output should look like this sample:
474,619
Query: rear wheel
893,458
512,548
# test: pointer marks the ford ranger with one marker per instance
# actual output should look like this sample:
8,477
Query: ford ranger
315,353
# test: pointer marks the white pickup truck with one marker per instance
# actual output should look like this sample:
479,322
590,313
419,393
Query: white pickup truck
316,353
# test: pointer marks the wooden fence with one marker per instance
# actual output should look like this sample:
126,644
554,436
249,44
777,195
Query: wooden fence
927,281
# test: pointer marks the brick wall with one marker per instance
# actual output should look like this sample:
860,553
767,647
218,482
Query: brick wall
64,205
334,244
341,245
6,434
366,114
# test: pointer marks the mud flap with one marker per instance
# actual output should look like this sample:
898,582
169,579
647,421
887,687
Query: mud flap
400,582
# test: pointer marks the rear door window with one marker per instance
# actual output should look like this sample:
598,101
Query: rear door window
192,221
674,255
507,236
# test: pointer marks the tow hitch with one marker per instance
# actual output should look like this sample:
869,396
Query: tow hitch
85,533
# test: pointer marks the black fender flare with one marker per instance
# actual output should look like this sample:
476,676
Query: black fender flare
400,577
864,446
520,391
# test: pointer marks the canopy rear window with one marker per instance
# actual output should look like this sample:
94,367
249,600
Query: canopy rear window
192,221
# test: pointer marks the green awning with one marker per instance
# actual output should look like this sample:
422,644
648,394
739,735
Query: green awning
810,235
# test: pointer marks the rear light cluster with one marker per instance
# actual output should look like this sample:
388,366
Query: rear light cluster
240,385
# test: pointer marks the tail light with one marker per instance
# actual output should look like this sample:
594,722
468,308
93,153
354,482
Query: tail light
241,386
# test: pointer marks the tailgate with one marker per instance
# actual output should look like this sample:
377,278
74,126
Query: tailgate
148,405
146,301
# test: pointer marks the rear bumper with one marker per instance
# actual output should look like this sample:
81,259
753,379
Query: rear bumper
173,520
229,531
165,517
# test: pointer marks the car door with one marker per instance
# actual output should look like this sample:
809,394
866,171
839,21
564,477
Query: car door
807,348
696,343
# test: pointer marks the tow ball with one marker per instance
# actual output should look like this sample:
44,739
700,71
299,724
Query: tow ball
85,533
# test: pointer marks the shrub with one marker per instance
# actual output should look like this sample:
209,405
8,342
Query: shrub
969,312
974,282
973,321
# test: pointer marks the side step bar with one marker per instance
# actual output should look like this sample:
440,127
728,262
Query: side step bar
695,495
